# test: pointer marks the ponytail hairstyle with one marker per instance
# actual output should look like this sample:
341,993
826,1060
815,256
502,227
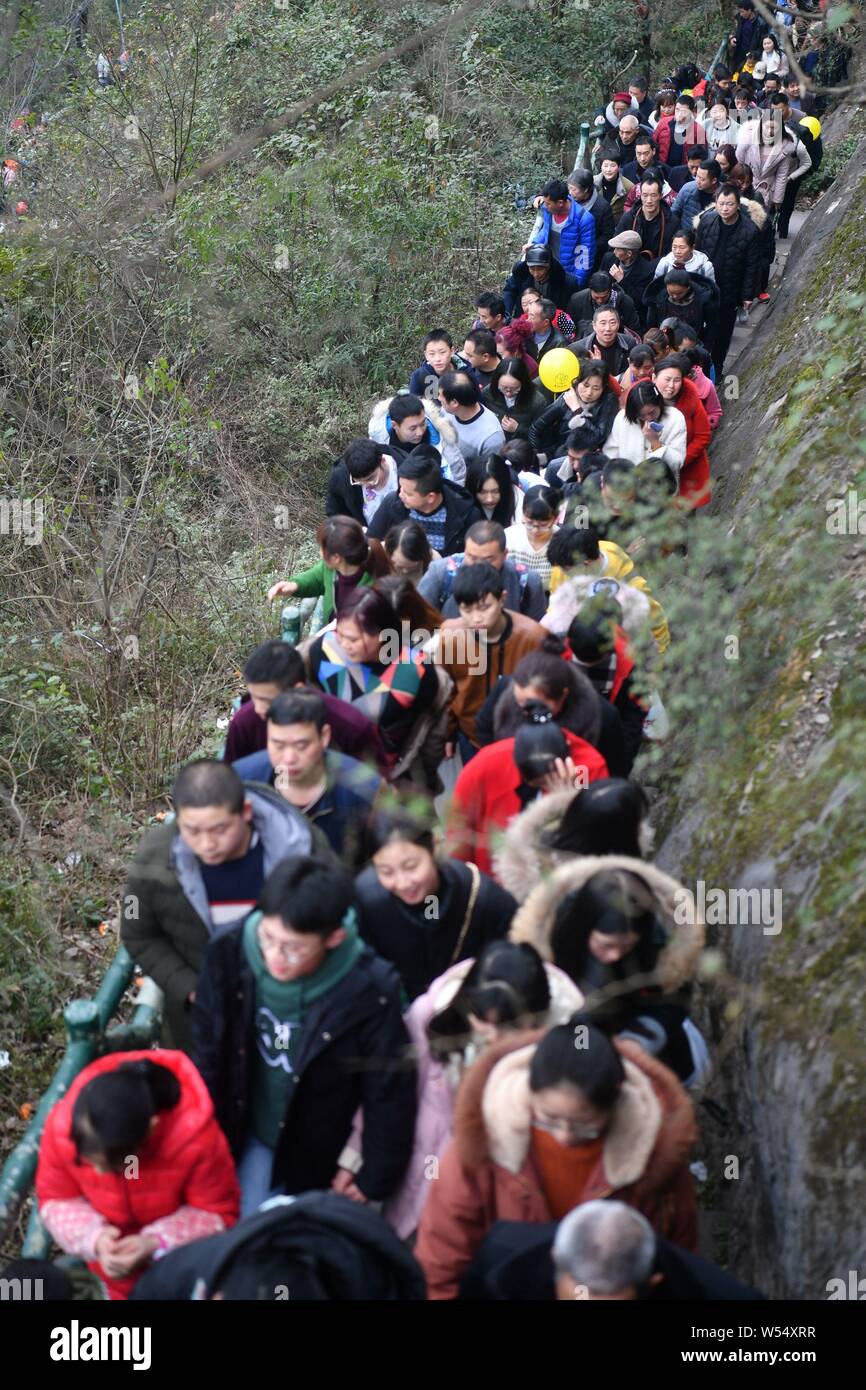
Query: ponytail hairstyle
112,1113
343,537
506,985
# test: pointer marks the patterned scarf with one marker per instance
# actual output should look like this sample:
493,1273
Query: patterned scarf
382,692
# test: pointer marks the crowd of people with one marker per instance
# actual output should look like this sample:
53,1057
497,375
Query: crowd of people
419,971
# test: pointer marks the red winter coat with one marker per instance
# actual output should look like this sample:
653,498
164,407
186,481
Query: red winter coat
695,135
485,796
185,1160
695,474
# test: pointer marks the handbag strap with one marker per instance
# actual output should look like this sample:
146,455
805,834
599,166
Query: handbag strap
470,908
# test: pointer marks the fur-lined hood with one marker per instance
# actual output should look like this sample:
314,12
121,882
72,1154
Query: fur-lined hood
677,961
750,206
648,1142
523,860
570,597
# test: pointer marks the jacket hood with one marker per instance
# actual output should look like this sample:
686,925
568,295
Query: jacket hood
522,859
347,1244
757,213
634,110
380,422
570,597
283,831
565,997
647,1143
193,1111
677,961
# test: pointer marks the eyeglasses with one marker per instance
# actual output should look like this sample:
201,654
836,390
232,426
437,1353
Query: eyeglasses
538,525
291,954
568,1127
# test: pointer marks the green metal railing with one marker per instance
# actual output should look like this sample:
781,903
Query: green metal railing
294,617
88,1037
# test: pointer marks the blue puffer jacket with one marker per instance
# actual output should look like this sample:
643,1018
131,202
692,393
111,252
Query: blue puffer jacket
576,240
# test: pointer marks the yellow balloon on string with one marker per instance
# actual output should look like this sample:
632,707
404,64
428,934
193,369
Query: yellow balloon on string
558,369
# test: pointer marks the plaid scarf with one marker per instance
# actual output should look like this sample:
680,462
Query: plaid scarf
602,674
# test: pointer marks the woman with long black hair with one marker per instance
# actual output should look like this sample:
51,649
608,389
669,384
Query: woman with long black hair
514,398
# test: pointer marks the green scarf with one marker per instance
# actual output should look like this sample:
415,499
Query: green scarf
280,1009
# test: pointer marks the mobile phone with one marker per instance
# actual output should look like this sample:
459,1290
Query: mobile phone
656,426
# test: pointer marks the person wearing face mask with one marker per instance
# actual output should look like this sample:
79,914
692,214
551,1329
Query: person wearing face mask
541,1126
471,1006
420,910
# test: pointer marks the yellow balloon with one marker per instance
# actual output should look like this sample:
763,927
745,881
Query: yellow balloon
812,124
558,370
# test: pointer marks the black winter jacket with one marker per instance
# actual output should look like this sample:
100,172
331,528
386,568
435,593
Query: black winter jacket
604,225
344,497
581,308
460,513
702,312
738,271
550,431
635,278
352,1051
420,946
560,286
348,1250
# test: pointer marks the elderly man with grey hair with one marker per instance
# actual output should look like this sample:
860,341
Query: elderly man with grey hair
601,1251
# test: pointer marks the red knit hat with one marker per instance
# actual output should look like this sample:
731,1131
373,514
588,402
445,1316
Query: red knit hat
622,96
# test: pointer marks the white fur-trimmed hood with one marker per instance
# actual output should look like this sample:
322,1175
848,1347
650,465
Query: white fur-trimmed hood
679,958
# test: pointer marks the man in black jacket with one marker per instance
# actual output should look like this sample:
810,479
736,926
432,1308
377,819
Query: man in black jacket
606,343
360,481
600,293
678,294
730,239
581,186
296,1024
631,270
542,271
445,510
600,1250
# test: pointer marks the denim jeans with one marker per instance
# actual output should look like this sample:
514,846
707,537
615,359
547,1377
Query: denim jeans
254,1175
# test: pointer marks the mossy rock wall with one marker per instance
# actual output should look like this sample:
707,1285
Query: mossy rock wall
782,805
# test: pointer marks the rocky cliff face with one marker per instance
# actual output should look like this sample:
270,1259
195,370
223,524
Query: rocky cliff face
775,799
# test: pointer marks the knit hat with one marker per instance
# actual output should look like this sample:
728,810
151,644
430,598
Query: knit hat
622,96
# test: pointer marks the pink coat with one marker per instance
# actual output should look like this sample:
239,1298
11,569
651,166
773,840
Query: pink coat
708,394
437,1087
